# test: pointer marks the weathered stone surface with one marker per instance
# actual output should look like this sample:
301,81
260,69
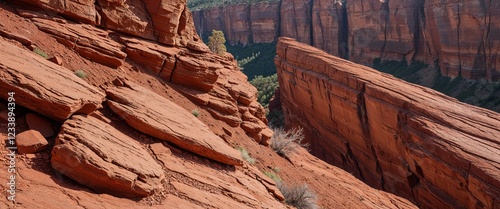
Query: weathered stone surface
152,114
88,41
80,10
31,141
40,124
56,60
198,46
403,138
157,58
97,155
128,16
195,71
17,37
53,91
173,23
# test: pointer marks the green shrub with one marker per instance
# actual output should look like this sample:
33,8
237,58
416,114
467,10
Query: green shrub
40,52
285,142
266,87
255,59
299,196
195,112
81,74
245,155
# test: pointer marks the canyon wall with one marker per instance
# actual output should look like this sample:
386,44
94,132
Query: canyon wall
462,37
396,136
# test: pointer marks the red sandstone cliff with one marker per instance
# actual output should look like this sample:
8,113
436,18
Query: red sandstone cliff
125,126
461,35
396,136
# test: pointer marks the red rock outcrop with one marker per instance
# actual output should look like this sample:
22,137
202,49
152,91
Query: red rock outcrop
83,11
403,138
152,114
97,155
460,36
88,41
168,22
52,91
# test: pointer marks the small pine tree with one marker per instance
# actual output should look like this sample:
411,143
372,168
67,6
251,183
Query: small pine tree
216,42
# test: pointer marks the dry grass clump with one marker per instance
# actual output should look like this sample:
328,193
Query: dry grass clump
299,196
245,155
285,142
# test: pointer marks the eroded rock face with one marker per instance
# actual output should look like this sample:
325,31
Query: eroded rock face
97,155
241,23
165,21
43,86
81,10
157,116
90,42
461,37
399,137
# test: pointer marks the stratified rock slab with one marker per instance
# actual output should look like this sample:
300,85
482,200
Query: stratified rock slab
157,116
396,136
43,86
97,155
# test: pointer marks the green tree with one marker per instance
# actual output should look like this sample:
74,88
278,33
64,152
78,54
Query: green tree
216,42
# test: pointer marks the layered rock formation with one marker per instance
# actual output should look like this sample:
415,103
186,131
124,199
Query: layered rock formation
460,36
97,155
52,91
241,23
164,21
403,138
99,151
152,114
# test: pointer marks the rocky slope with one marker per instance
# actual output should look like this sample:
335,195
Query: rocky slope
122,133
460,36
395,136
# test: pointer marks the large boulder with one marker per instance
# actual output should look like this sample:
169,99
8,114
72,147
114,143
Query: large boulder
157,116
97,155
43,86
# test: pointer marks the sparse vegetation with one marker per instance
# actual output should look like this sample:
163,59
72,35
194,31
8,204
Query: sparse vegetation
202,4
245,155
41,52
299,196
273,174
245,61
285,142
216,42
81,74
195,112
